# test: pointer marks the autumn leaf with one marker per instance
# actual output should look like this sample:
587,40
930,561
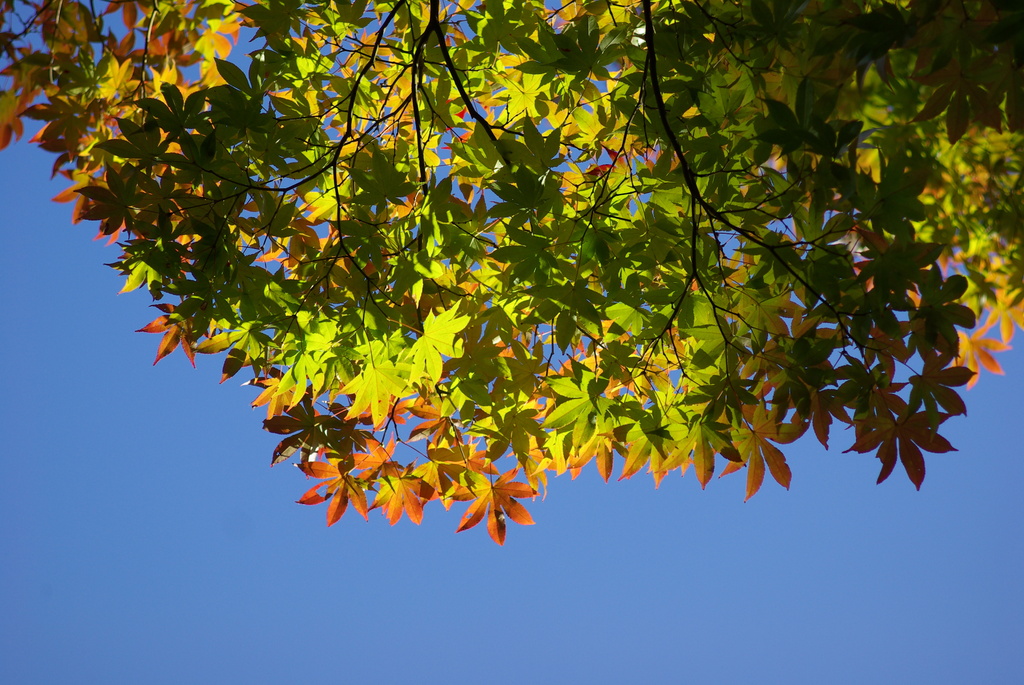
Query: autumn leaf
977,352
496,501
904,438
338,490
176,334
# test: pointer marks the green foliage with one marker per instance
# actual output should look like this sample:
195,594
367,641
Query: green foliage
456,242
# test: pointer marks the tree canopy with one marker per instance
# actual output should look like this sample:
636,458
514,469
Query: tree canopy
462,246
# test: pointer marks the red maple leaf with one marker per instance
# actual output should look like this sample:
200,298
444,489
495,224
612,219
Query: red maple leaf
904,438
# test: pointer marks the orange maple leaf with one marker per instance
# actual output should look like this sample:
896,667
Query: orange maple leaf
496,502
340,489
753,448
178,333
400,493
976,352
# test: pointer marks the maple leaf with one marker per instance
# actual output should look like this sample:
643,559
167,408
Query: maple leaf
976,352
371,462
339,489
497,501
375,389
754,450
442,469
904,438
438,429
175,333
398,494
1007,313
823,406
933,387
438,339
271,396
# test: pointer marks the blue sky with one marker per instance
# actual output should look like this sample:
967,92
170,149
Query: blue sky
146,539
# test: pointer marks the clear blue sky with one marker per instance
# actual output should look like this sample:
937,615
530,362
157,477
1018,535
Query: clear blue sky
146,540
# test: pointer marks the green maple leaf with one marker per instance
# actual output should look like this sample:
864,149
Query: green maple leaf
437,341
375,389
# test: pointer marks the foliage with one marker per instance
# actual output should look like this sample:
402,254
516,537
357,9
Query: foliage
459,243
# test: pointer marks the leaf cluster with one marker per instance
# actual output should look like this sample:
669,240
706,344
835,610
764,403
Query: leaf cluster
457,243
